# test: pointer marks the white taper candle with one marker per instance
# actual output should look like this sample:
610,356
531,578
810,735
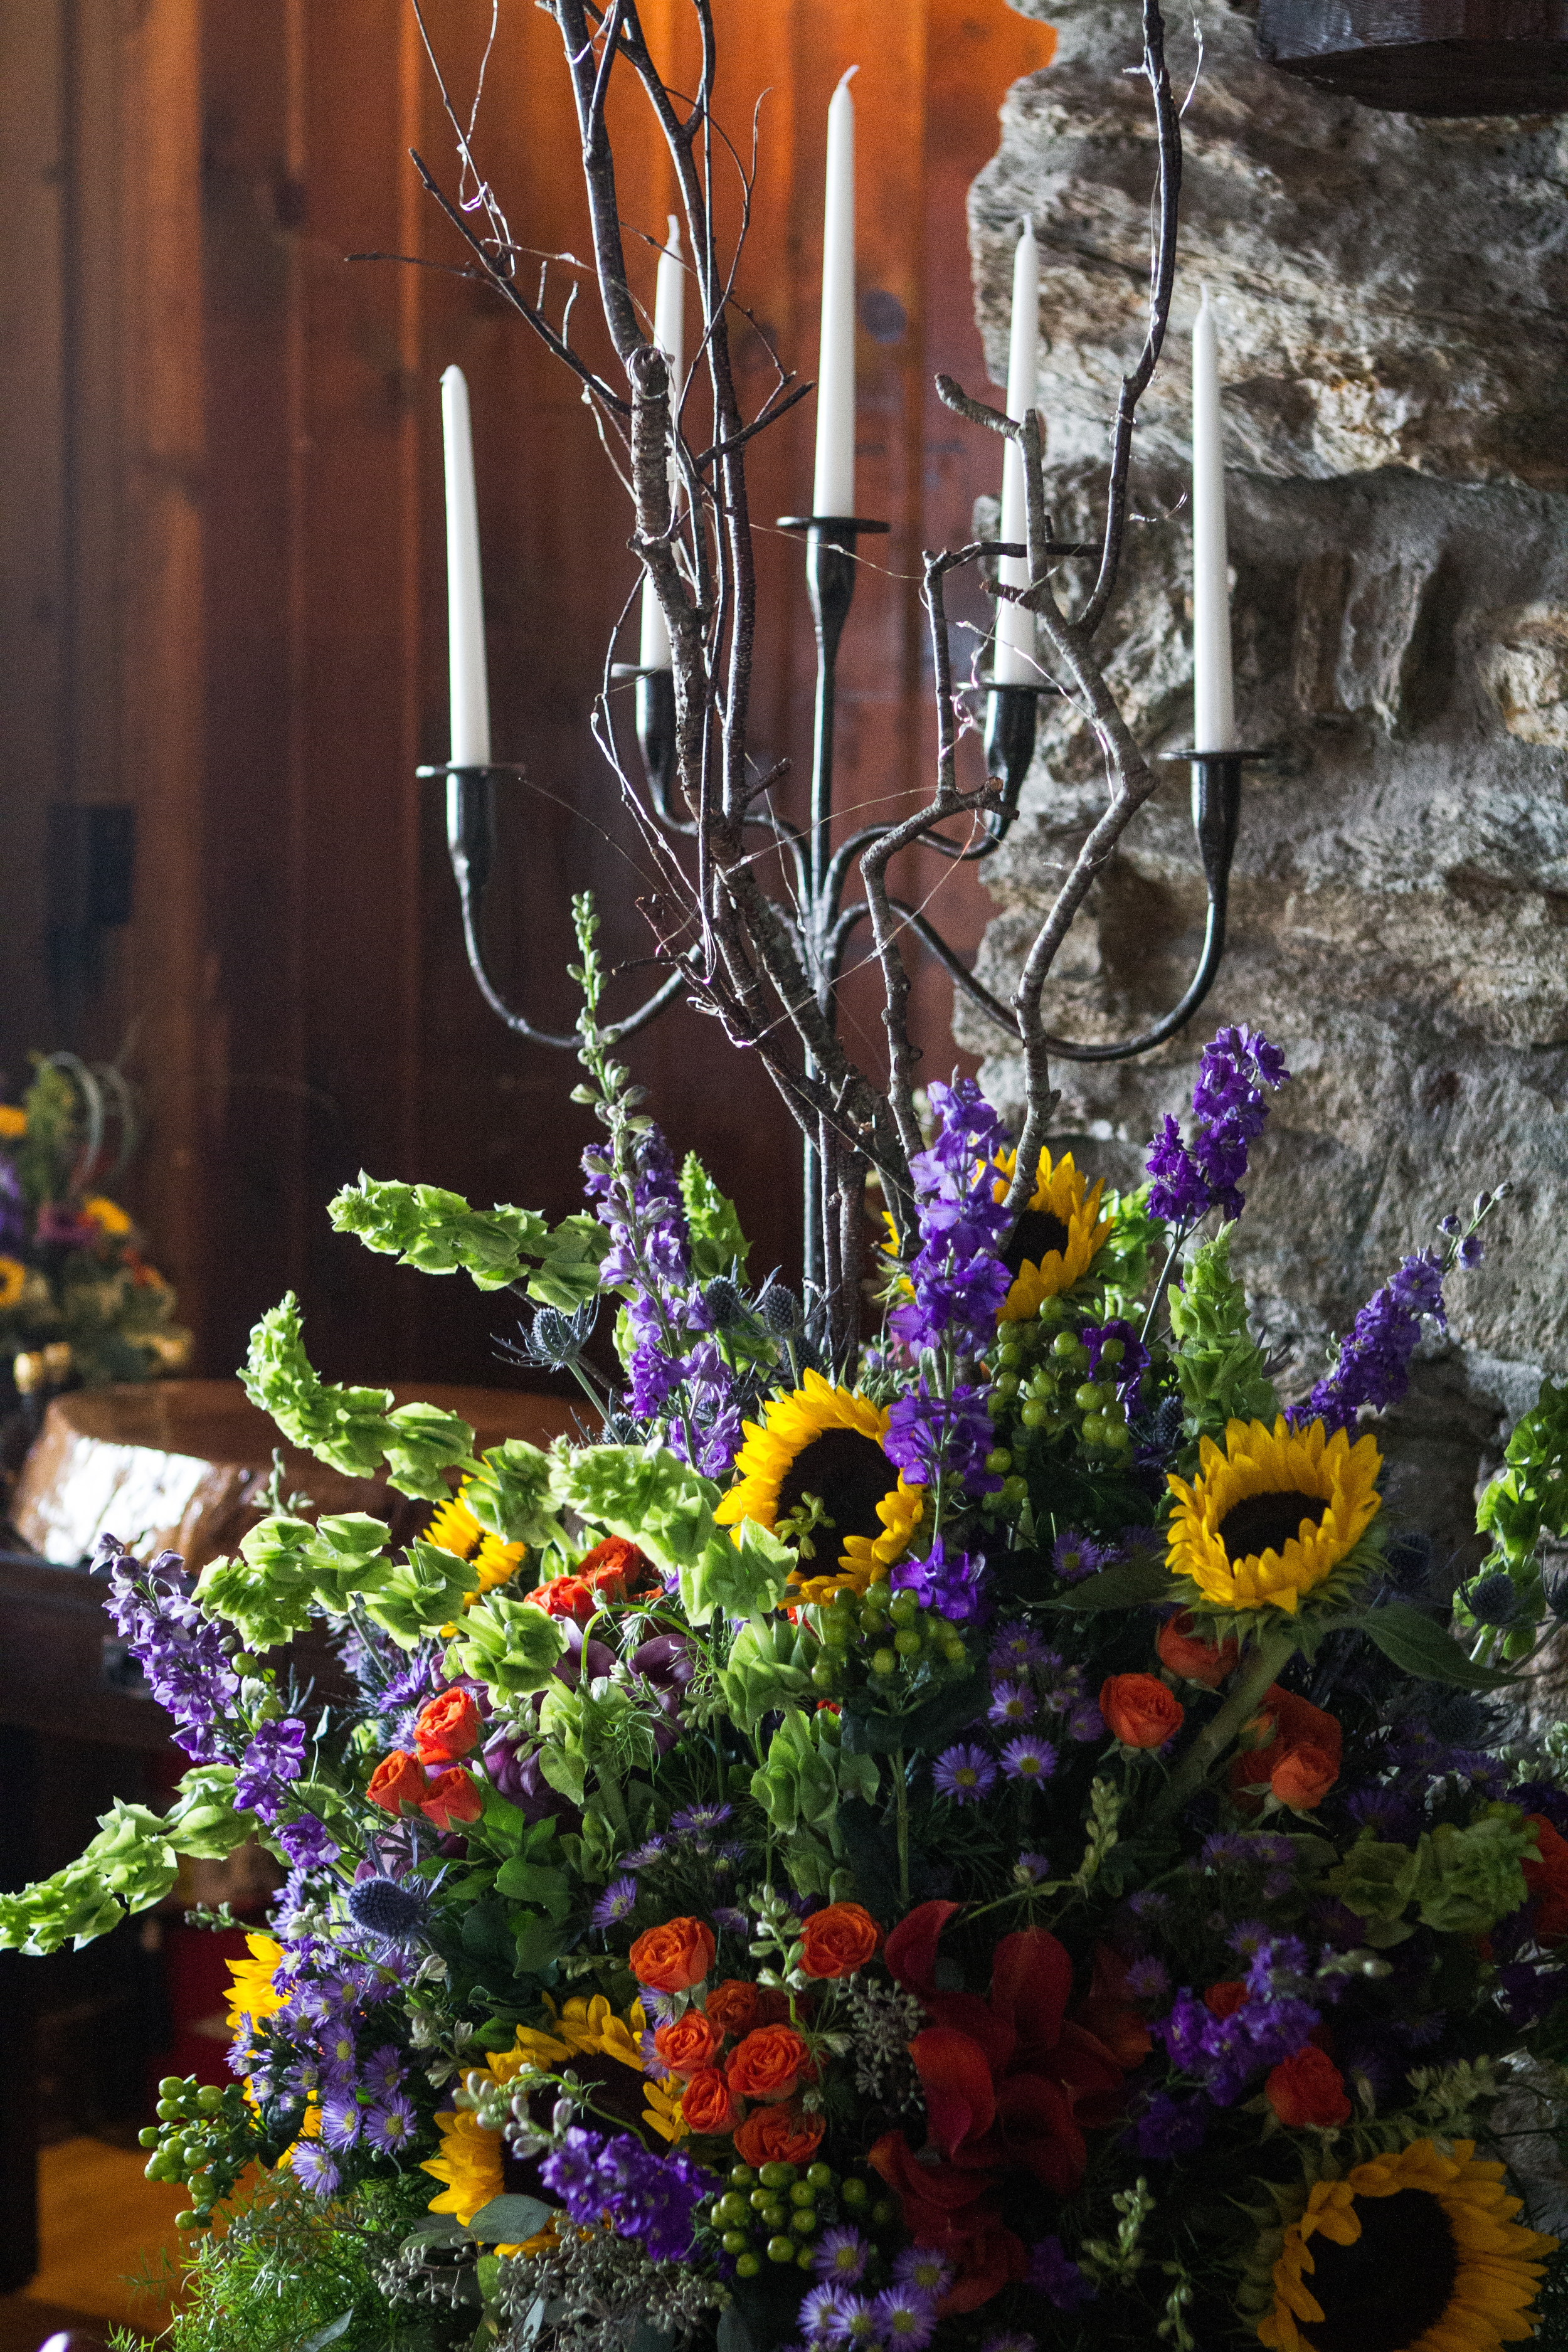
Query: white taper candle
833,489
670,334
464,597
1014,663
1213,694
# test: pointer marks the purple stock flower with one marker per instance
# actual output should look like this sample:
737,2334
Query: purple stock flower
1374,1367
957,1279
651,2198
275,1755
1229,1108
948,1582
308,1842
1225,2054
931,1436
1053,2273
963,1773
1170,2128
183,1655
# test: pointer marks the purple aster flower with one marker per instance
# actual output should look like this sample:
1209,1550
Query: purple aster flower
903,2316
923,2267
383,2070
819,2307
1170,2128
695,1818
1074,1557
341,2116
849,2321
1149,1904
1011,1702
840,2254
963,1773
1148,1980
1008,2339
1086,1722
652,1850
314,2169
617,1902
1031,1869
1230,1108
391,2124
1053,2273
306,1843
1247,1938
1373,1367
948,1582
722,1915
1028,1759
1392,1816
1015,1648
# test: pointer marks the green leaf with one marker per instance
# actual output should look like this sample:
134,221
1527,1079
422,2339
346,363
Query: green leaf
531,1882
1129,1585
930,1726
1421,1646
510,2220
320,2337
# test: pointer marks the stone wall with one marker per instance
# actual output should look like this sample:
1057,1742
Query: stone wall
1394,355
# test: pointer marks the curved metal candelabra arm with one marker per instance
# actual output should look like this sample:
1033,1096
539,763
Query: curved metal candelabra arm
1217,806
470,843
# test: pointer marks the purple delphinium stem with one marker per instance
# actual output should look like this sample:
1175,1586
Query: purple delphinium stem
1373,1367
1239,1067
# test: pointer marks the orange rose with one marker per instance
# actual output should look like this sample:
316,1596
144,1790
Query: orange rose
1187,1654
1547,1882
447,1729
733,2006
455,1797
769,2064
706,2103
1303,1777
398,1780
778,2135
1296,1724
1138,1709
565,1596
1223,2000
675,1956
838,1940
692,2043
1308,2089
617,1569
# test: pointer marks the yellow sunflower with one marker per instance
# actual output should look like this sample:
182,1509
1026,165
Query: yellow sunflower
814,1469
13,1122
1416,2252
106,1214
453,1527
470,2160
1056,1239
251,1992
1272,1516
13,1281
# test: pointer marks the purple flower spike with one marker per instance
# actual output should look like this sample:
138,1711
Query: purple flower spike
1228,1105
1374,1367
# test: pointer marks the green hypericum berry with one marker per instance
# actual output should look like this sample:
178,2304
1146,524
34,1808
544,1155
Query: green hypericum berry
1010,1355
908,1643
824,1674
1033,1416
1093,1429
904,1609
882,2212
781,2250
761,2196
854,2193
998,1461
884,1662
803,2193
1118,1437
731,2208
1064,1345
806,2257
1112,1351
1088,1396
778,2176
820,2175
804,2222
747,2266
774,2217
1051,1310
734,2241
169,2084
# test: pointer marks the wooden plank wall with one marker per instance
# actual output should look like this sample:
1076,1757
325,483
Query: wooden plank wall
222,588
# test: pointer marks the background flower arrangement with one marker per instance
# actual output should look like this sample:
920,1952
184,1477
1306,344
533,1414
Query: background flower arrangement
78,1302
990,1843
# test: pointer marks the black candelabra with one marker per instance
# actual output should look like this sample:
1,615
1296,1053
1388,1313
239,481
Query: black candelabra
822,918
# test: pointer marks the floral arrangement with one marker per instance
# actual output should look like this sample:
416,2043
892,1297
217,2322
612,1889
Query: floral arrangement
993,1845
78,1302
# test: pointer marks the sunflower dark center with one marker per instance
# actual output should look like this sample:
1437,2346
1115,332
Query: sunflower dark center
1266,1522
848,1474
1385,2292
1036,1233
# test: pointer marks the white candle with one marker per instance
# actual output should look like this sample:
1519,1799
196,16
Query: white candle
465,599
670,334
1014,663
1214,696
833,490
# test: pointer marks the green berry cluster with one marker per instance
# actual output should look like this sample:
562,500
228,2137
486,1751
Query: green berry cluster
885,1632
1042,1385
776,2214
205,2138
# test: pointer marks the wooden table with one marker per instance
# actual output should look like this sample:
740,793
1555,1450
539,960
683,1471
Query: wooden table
167,1464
